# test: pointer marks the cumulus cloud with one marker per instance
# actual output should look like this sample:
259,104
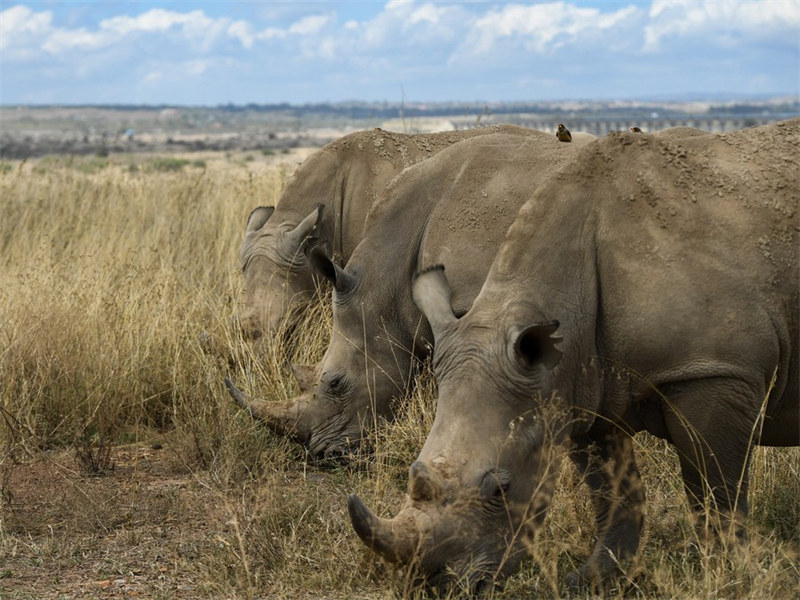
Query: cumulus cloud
19,21
541,26
242,31
721,21
309,25
20,30
159,20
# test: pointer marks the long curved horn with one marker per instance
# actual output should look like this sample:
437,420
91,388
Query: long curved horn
432,293
396,540
286,418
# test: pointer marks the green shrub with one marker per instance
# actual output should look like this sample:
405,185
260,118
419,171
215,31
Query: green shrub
167,164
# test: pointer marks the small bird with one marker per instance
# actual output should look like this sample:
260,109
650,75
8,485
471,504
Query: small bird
563,134
636,130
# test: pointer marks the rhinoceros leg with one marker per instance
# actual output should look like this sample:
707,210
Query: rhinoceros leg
609,469
713,425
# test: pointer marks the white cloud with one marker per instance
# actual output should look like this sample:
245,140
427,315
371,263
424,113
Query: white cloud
397,5
21,30
308,25
537,26
198,67
61,40
327,48
427,12
158,20
404,27
670,19
19,21
242,31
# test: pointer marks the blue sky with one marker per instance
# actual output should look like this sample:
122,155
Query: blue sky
195,52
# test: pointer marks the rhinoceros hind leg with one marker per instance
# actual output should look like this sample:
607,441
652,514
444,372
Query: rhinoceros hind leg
713,424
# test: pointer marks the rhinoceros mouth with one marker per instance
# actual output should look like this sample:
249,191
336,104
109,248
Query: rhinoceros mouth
475,577
336,454
335,443
448,581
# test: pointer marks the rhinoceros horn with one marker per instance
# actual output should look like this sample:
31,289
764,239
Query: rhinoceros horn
432,293
286,418
396,540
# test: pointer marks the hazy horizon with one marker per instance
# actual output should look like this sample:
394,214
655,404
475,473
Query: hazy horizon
718,98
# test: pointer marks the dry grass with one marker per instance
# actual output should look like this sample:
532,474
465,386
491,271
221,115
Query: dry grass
126,469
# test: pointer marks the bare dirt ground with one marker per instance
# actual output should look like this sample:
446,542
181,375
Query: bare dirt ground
124,552
136,530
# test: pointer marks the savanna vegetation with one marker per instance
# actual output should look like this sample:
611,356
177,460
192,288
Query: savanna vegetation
126,470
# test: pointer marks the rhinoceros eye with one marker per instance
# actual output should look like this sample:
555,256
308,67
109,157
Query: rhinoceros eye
494,487
335,382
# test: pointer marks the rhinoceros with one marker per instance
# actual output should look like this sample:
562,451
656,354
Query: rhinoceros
651,285
328,198
454,209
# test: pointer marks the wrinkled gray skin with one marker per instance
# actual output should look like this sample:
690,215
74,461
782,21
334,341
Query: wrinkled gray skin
326,200
652,285
453,209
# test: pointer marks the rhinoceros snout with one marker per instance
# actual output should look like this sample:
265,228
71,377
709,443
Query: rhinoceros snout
424,484
249,327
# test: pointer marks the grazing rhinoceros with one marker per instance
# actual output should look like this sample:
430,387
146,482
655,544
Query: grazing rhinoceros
651,285
328,197
454,209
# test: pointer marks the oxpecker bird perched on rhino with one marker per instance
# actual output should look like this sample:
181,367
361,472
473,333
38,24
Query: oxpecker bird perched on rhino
563,134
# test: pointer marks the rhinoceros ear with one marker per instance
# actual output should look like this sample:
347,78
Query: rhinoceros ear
258,217
305,229
537,346
322,264
432,293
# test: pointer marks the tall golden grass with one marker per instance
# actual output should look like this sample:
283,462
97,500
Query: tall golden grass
110,270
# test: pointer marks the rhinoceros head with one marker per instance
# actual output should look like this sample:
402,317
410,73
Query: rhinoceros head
368,363
483,480
278,281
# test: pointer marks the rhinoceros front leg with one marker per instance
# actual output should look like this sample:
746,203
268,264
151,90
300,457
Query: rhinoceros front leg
713,424
609,469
